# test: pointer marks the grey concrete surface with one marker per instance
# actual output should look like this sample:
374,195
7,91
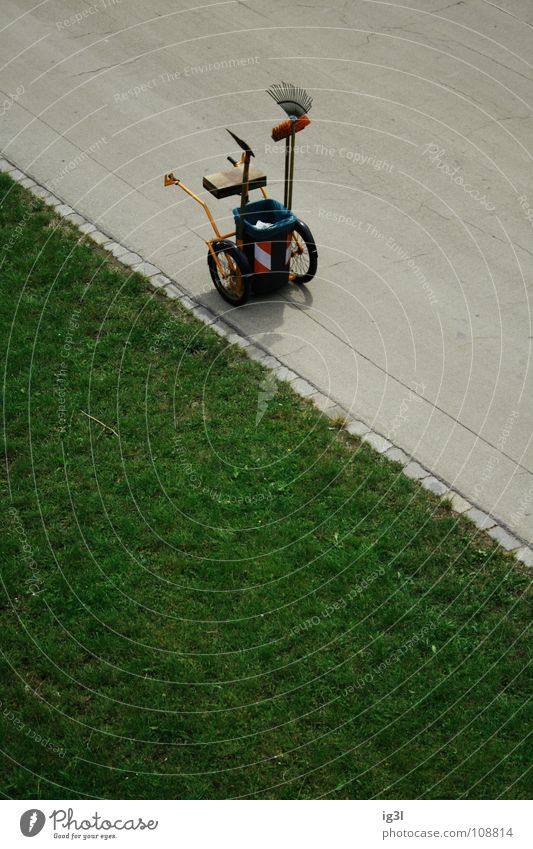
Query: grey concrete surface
415,178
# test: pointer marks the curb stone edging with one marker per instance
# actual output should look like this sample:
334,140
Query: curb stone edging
157,279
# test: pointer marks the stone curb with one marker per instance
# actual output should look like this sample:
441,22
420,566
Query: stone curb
156,278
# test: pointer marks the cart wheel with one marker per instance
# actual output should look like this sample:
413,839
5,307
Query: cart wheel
232,279
304,255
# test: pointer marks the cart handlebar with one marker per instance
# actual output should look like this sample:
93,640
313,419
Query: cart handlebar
170,179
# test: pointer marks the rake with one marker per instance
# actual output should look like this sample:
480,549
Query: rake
296,103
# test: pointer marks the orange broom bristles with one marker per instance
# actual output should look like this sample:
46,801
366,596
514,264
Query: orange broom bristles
283,130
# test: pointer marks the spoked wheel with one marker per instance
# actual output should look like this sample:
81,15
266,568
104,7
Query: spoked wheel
232,279
304,255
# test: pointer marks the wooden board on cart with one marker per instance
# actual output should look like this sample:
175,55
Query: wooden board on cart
223,184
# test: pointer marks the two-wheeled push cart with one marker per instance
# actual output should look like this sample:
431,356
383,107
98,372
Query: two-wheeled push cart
272,245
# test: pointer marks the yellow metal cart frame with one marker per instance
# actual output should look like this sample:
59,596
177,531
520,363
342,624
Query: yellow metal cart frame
171,180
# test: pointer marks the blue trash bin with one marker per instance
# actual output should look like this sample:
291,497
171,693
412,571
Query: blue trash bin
268,227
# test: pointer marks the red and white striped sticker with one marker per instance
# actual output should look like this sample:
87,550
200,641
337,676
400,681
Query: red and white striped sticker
262,256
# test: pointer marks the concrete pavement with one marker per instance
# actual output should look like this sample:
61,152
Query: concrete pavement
415,178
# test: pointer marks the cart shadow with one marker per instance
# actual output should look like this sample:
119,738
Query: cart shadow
259,319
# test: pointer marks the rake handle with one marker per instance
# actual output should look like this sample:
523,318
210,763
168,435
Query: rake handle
287,159
291,169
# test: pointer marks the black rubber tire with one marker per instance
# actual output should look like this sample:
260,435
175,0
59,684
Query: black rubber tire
305,234
228,248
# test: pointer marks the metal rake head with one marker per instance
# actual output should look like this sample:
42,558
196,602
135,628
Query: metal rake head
294,100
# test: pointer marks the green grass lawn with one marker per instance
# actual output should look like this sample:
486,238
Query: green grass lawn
196,605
